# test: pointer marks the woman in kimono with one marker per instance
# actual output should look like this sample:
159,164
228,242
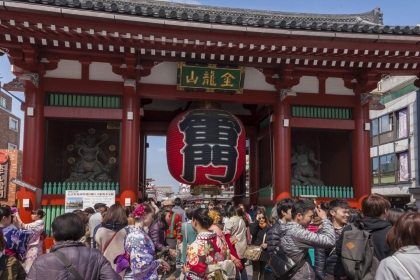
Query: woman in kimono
138,259
37,227
16,240
208,257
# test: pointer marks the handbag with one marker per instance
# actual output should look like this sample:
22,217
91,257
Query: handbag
403,267
69,265
164,255
253,252
233,238
109,242
282,266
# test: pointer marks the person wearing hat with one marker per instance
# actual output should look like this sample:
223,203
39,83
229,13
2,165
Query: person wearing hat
174,232
96,219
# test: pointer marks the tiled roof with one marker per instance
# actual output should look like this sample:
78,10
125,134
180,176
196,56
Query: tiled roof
369,22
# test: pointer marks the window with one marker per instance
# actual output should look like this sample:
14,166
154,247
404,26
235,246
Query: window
11,146
3,102
374,130
386,123
375,170
387,169
402,123
13,124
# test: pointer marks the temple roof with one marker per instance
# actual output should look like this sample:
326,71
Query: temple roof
368,22
182,10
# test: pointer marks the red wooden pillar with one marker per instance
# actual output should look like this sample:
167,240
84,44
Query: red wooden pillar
361,154
281,150
129,168
237,192
33,141
254,167
142,163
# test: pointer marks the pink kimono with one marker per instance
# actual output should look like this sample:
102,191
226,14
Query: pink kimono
35,243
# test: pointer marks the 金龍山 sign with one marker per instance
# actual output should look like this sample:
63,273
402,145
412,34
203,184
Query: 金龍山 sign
210,78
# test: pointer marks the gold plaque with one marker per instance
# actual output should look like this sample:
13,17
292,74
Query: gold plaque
205,189
71,160
112,148
70,147
92,131
112,160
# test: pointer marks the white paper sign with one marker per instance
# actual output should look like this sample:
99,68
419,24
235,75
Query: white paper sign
80,200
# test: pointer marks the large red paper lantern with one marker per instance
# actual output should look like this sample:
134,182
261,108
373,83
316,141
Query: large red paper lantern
206,147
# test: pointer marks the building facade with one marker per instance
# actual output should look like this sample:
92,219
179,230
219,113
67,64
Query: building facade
10,167
394,147
9,124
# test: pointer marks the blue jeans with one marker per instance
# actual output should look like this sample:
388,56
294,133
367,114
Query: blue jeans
242,273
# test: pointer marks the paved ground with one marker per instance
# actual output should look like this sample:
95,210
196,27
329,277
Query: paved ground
248,270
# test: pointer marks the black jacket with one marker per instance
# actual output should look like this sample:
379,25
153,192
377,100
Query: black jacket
379,229
89,262
327,260
257,234
273,237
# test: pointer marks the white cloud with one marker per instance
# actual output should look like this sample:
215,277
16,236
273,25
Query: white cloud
161,150
195,2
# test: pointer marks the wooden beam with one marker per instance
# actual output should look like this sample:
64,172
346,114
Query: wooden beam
322,123
171,93
324,100
83,86
154,128
82,113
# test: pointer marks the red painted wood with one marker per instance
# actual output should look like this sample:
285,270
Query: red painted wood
281,151
254,168
237,191
171,93
82,113
324,100
322,123
33,147
264,133
130,146
352,201
362,181
84,87
48,243
142,161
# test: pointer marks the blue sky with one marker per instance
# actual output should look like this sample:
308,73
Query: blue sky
402,12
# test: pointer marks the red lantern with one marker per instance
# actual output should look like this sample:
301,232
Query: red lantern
206,147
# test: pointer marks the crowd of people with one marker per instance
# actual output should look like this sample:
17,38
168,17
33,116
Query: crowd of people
179,240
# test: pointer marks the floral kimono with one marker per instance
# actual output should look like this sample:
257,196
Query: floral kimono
35,243
16,242
141,251
205,256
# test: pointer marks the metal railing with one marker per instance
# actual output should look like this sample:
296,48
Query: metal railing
60,188
324,191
